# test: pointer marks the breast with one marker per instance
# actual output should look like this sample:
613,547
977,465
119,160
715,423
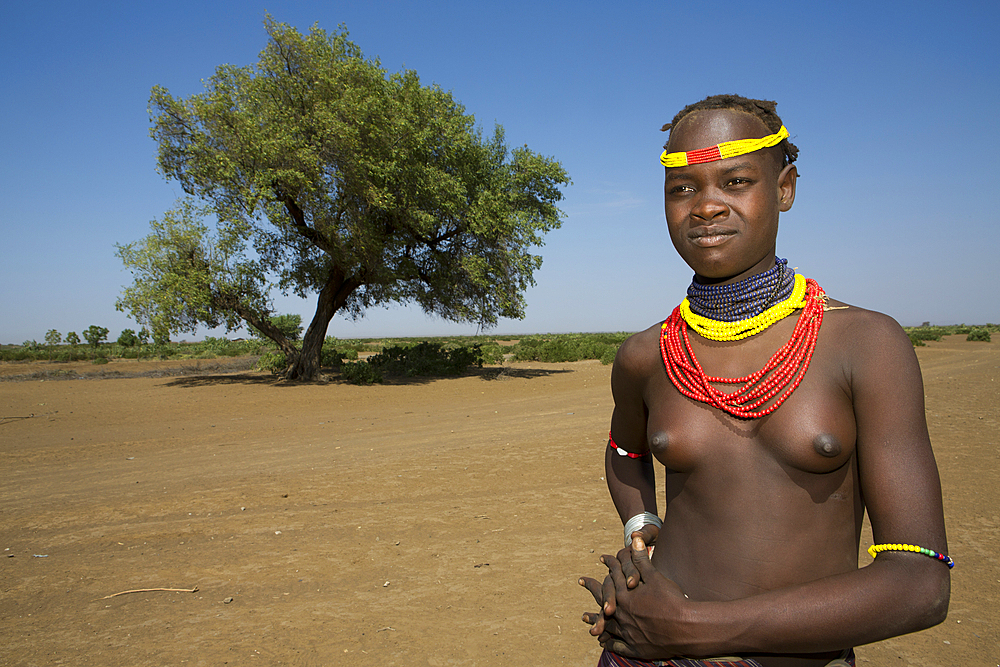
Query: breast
813,432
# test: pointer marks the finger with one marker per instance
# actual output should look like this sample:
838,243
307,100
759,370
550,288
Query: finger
608,595
640,559
594,587
615,568
600,625
629,571
618,645
596,621
649,533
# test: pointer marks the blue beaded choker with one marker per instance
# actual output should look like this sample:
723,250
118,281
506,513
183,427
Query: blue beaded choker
745,299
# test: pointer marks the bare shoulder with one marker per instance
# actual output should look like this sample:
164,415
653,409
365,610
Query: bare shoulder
639,355
865,336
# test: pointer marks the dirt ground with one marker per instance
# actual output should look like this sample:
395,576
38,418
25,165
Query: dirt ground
440,522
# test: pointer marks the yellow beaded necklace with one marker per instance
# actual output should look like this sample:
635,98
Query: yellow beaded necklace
715,330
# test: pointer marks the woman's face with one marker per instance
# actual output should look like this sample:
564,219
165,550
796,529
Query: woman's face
723,215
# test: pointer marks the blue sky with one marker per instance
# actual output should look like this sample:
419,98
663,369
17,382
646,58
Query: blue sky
892,105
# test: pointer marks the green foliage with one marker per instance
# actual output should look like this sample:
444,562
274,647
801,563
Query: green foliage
95,335
272,362
973,333
925,333
72,338
331,357
52,337
361,372
346,182
979,334
427,359
289,325
424,359
185,276
491,353
161,337
31,345
127,338
569,347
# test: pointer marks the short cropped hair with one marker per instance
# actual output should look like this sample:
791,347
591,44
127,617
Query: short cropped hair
762,109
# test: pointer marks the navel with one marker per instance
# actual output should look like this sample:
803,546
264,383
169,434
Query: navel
826,445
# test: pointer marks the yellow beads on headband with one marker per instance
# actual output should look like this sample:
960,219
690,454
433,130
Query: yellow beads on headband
723,150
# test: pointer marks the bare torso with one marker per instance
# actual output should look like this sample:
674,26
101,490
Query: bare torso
780,493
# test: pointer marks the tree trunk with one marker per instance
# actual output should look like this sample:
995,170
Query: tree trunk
263,325
306,365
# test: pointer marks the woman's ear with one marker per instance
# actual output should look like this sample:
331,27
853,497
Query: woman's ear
786,187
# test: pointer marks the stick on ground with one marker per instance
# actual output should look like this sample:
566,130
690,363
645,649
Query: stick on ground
150,590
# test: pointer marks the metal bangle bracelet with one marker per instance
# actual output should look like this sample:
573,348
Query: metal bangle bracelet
637,522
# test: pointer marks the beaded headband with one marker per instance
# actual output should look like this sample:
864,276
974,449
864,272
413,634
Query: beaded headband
722,151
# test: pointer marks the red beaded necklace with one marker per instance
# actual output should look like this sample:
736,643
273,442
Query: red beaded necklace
781,374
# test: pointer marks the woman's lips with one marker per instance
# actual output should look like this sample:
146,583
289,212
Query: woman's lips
707,237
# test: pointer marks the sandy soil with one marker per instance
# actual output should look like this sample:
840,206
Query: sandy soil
439,522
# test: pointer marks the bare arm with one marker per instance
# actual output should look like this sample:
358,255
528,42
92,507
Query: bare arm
900,592
631,481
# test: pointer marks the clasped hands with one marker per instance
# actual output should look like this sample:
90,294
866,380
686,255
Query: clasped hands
636,603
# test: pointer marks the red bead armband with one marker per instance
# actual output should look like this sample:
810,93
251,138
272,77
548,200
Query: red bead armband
622,452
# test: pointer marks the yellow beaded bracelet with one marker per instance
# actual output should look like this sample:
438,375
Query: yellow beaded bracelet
875,549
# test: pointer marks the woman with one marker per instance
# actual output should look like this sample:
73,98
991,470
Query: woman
780,416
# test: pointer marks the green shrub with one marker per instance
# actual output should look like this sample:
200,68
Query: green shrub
427,359
331,357
222,347
272,362
16,354
569,347
361,372
979,334
128,338
608,356
492,353
917,340
164,351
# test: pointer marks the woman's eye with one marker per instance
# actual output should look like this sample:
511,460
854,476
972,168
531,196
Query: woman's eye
739,181
681,189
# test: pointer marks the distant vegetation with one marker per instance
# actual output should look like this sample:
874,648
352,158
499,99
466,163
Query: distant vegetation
372,360
360,361
975,332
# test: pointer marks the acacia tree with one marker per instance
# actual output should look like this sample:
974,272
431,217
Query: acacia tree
95,335
327,176
52,339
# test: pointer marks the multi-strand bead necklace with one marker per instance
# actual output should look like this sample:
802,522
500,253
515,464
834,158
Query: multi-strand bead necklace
710,310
